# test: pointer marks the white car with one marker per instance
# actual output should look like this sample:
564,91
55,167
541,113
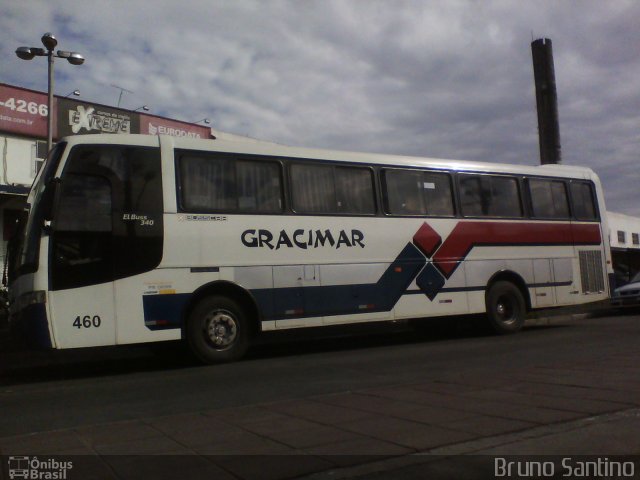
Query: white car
628,294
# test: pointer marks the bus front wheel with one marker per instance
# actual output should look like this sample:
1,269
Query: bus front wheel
218,330
506,307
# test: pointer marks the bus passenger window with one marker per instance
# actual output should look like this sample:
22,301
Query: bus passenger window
213,183
490,196
331,189
258,187
436,188
207,184
354,190
549,199
415,192
313,189
474,200
404,192
505,197
582,200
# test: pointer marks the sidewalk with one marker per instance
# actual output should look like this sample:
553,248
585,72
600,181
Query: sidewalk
393,432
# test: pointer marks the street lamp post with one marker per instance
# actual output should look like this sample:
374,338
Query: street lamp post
74,58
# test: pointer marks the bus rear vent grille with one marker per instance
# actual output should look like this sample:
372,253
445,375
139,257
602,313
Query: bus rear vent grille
591,271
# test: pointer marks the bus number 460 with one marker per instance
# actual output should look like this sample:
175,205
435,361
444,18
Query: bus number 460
87,321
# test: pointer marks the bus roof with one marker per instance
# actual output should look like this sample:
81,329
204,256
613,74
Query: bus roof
237,144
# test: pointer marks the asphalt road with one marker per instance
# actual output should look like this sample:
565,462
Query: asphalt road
41,392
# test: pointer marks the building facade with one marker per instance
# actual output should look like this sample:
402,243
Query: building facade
624,233
23,139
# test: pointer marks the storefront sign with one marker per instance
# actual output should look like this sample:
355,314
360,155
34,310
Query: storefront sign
152,125
23,111
79,118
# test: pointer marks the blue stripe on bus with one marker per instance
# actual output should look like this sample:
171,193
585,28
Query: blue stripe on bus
165,311
315,301
162,312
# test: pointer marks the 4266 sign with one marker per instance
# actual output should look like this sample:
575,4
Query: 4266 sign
22,106
23,111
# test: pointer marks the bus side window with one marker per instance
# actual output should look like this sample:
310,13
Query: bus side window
313,189
549,199
354,190
206,184
505,197
490,196
331,189
582,199
416,192
404,192
473,198
258,186
438,194
217,183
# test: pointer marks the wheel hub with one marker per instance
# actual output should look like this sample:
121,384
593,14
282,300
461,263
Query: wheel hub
221,328
506,311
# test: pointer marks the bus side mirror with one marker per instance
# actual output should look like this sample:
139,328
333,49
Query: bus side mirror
48,199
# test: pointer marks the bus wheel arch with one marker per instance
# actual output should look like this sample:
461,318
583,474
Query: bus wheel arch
507,302
219,322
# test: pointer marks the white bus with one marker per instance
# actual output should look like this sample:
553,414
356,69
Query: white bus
137,238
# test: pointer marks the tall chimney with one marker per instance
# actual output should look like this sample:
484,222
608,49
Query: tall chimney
546,101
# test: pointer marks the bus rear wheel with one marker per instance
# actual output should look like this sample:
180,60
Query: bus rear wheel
218,330
506,308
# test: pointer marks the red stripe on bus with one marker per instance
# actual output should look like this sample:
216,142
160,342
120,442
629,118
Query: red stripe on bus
467,235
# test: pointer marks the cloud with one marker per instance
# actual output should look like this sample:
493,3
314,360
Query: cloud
445,79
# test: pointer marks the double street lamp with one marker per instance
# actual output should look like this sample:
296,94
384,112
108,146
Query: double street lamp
74,58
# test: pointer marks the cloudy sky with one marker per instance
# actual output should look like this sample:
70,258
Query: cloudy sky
447,79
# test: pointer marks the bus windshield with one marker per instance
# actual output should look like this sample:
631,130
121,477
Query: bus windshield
28,236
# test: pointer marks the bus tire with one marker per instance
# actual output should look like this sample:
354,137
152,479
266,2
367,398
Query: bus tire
506,308
218,330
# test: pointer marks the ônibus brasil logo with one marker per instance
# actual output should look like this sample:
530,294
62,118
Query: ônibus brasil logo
33,468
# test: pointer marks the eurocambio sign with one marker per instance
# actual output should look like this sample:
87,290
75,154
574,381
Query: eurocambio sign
24,112
152,125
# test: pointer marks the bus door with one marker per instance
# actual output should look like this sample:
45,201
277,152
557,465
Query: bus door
81,296
107,230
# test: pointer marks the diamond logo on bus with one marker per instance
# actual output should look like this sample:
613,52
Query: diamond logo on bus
427,240
430,281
